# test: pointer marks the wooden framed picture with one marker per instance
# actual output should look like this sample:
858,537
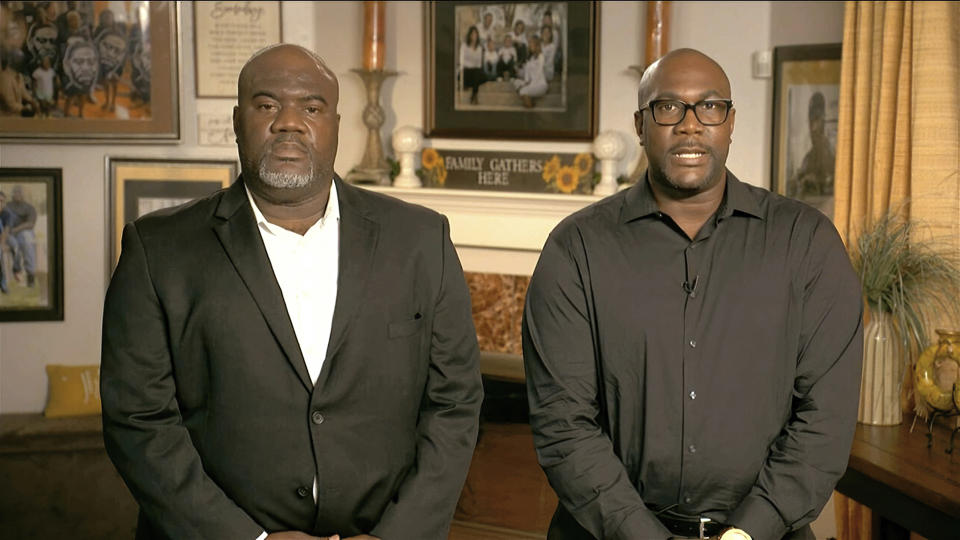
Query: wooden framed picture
806,98
89,71
226,34
511,70
140,186
31,245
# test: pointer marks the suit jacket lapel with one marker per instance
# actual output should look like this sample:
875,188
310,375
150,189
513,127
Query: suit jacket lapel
237,230
358,241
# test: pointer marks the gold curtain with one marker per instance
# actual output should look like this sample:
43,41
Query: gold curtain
898,139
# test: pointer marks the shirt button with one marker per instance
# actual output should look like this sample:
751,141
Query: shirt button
687,499
692,448
302,492
693,394
693,343
316,417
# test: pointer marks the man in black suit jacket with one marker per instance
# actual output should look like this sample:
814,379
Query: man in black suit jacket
226,410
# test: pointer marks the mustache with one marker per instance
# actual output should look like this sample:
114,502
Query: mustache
690,143
287,138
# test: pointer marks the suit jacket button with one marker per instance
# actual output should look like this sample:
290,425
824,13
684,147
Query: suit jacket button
316,417
302,492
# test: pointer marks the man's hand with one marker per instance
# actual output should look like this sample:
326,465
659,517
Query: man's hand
296,535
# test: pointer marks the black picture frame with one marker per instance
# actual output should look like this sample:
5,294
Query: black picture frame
32,290
568,110
806,96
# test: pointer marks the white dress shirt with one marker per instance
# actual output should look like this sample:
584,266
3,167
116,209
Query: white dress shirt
306,267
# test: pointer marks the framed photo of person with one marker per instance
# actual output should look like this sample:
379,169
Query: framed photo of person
140,186
89,71
31,245
226,34
806,98
511,70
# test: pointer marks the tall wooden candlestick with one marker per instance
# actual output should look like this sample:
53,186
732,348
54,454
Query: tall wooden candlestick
657,45
374,30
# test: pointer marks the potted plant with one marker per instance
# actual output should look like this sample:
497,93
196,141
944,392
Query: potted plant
907,282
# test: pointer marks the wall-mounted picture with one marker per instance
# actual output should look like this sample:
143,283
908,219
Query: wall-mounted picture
140,186
225,35
512,70
89,71
806,98
31,245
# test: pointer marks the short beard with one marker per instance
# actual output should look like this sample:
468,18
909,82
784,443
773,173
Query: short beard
284,180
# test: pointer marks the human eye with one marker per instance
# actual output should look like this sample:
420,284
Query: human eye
266,106
666,106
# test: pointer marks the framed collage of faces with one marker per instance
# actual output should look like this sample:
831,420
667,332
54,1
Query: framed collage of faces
511,70
89,71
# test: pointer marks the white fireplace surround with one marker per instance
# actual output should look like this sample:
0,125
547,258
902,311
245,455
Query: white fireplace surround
495,232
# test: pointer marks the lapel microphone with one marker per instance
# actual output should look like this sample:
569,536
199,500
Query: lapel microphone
691,288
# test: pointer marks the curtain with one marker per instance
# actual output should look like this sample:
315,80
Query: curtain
898,138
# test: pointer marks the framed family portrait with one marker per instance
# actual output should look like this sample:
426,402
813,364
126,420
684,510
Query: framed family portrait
139,186
31,245
226,34
806,102
511,70
89,71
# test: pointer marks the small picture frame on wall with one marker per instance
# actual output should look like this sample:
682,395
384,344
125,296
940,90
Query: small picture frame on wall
31,245
511,70
806,98
226,34
90,71
140,186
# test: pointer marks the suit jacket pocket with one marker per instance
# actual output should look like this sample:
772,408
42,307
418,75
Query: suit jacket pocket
405,328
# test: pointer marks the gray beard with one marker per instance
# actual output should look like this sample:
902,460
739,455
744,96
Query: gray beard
283,180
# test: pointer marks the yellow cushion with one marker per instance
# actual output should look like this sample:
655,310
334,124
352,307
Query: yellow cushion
74,390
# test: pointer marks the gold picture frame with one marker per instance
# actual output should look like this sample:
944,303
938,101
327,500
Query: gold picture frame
114,78
139,186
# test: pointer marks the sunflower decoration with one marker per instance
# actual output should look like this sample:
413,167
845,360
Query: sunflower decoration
551,168
568,178
434,169
583,163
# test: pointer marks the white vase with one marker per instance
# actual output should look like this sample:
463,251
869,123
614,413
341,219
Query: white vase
882,374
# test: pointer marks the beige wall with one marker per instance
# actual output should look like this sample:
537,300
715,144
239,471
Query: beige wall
730,32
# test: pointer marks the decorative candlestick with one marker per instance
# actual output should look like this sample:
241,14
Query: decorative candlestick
406,143
608,147
373,167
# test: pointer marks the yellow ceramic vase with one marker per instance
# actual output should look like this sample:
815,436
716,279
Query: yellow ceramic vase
937,373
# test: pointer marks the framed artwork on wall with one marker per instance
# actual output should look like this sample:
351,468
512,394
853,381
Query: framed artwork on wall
31,245
806,98
90,71
226,34
511,70
139,186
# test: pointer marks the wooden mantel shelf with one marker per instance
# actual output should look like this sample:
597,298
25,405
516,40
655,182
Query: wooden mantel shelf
892,471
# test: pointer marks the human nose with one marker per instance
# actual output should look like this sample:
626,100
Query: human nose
689,123
288,119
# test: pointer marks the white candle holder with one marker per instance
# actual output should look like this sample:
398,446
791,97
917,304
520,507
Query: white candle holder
609,148
406,143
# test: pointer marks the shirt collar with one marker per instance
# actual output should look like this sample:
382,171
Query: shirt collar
640,202
330,214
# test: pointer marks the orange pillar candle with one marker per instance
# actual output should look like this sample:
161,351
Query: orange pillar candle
374,26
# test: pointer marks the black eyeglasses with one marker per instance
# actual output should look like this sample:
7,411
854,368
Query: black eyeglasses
670,112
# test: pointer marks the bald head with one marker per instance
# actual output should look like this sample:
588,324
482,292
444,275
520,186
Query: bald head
268,57
679,59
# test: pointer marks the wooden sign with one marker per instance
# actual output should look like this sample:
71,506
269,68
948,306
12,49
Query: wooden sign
508,171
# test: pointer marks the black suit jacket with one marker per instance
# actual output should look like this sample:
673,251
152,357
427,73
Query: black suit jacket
210,414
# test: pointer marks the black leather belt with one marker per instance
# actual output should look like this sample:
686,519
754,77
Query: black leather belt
691,527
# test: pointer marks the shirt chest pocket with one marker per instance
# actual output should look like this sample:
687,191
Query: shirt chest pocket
405,328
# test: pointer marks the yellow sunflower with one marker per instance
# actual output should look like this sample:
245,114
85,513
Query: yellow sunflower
583,162
567,179
550,169
430,158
